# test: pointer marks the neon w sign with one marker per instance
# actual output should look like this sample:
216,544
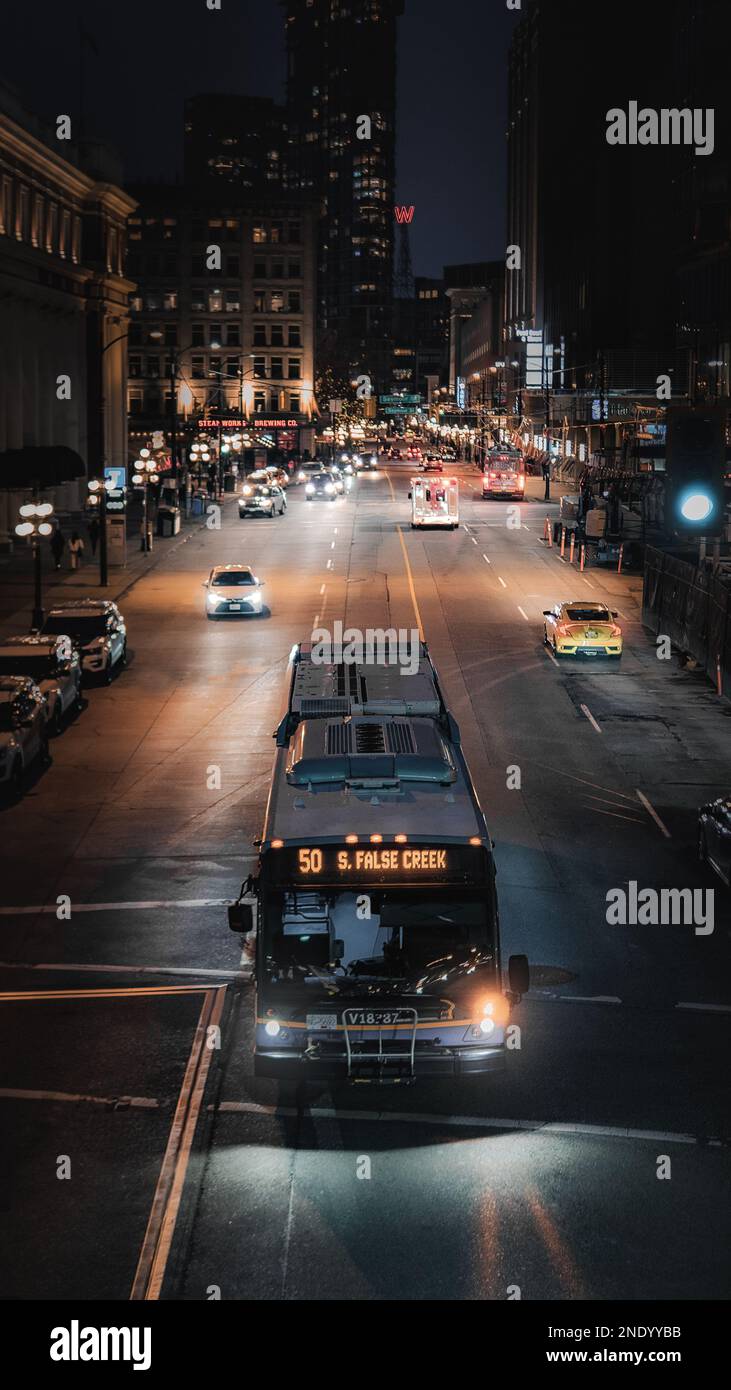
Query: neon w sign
404,214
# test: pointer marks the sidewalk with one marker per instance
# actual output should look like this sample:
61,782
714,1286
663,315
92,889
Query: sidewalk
16,581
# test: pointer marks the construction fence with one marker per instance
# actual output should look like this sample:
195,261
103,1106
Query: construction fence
692,606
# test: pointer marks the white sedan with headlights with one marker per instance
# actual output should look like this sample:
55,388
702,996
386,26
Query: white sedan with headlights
232,591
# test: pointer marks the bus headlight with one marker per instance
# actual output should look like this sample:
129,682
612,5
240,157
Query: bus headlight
272,1028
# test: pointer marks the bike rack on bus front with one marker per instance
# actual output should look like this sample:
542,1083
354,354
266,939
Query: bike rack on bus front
380,1060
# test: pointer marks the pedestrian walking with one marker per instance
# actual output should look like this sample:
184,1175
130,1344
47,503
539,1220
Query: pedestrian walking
546,471
76,550
93,528
58,545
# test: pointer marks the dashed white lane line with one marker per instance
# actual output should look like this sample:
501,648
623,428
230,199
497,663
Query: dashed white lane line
316,620
487,562
329,565
323,590
502,581
243,1107
551,657
332,545
587,712
525,615
651,811
588,581
474,542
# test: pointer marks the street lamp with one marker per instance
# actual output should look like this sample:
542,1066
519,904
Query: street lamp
143,475
98,498
36,522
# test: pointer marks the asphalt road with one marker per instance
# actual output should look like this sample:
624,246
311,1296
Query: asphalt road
140,1158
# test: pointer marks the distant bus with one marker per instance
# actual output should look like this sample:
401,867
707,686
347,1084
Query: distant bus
377,939
504,474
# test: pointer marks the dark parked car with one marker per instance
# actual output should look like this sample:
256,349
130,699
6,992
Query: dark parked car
714,837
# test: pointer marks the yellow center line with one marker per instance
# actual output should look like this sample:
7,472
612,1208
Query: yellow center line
409,575
412,590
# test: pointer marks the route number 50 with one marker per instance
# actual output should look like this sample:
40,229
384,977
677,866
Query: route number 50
310,861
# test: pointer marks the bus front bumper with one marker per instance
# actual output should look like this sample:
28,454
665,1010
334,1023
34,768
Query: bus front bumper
439,1061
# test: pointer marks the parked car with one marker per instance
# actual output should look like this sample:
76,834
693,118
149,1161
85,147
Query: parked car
53,663
23,731
714,837
97,630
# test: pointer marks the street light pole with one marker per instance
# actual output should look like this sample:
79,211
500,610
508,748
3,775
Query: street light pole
36,523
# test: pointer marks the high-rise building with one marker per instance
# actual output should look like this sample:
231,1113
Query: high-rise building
234,143
592,226
341,111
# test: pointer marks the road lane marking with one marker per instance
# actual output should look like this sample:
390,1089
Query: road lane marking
31,996
332,545
412,590
150,1272
487,562
472,538
525,615
52,908
585,710
462,1122
706,1008
551,657
502,581
315,620
92,969
651,809
323,589
127,1102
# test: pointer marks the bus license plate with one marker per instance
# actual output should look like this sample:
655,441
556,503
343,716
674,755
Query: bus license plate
321,1023
235,607
375,1018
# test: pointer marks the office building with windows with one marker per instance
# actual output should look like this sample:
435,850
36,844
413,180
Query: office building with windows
223,320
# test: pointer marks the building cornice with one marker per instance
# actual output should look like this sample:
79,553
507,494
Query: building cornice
20,143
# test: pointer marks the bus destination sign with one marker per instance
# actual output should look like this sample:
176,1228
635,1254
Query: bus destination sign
345,864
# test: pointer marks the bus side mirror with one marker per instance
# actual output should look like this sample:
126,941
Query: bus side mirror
241,917
518,975
410,495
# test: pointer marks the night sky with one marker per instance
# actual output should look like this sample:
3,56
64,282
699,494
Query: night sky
154,53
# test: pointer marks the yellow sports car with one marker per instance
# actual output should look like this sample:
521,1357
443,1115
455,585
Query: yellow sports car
582,629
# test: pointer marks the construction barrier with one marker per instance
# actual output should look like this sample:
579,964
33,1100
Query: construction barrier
691,606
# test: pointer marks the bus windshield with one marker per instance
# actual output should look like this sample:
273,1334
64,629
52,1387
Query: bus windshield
421,935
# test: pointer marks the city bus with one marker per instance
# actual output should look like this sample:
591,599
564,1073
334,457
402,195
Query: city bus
373,909
504,474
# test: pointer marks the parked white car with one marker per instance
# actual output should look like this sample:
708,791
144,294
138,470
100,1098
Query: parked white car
53,663
97,629
23,731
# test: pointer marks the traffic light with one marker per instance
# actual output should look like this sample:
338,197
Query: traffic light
695,469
